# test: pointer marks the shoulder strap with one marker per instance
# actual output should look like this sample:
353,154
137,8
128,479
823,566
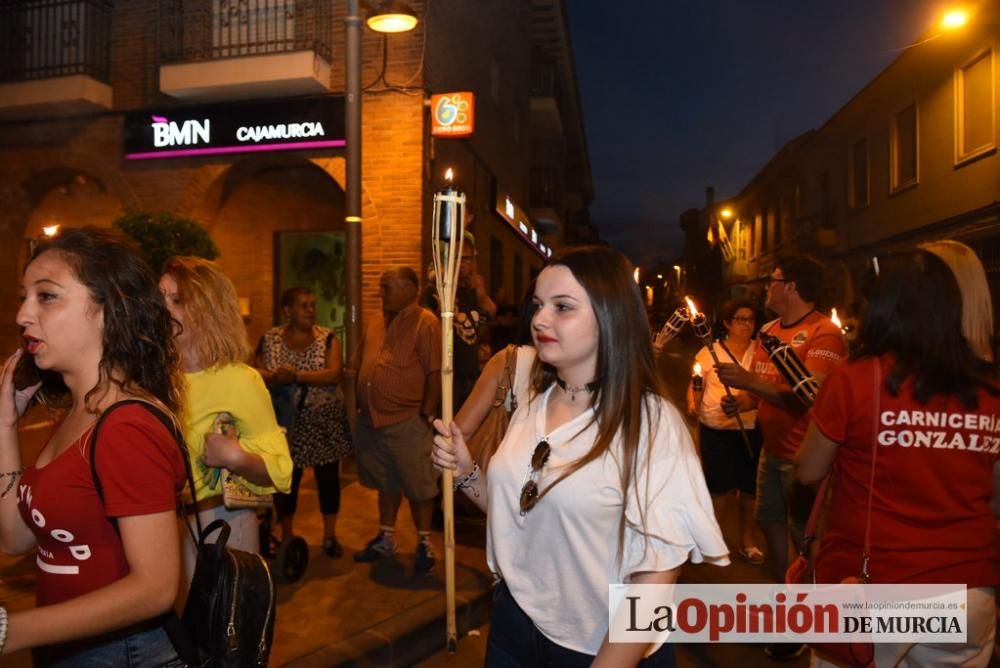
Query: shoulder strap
810,531
170,426
509,377
866,550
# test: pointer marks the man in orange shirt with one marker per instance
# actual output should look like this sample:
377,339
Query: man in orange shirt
398,390
792,291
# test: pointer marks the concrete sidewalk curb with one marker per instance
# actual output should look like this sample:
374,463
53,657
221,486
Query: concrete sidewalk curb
404,639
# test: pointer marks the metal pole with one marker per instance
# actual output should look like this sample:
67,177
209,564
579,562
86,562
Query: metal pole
352,213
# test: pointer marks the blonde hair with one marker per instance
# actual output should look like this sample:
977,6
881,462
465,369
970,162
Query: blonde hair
977,307
212,311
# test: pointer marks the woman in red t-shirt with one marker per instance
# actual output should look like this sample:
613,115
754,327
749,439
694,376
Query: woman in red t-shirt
96,331
915,389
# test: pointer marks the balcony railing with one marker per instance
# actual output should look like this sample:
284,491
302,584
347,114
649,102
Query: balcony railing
40,39
543,80
202,30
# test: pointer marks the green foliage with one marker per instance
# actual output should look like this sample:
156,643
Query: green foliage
163,235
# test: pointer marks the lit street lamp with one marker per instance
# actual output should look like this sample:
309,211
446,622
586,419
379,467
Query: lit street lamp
954,19
392,16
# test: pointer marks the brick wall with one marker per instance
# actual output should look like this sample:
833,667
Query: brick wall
242,201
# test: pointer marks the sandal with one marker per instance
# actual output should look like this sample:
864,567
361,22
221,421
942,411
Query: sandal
752,555
332,548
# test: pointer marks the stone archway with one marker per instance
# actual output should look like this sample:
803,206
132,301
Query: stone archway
258,206
70,198
64,195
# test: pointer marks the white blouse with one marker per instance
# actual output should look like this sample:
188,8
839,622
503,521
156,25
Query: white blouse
710,411
559,559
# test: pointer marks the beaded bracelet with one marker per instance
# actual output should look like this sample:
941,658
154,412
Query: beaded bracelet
14,475
3,629
465,482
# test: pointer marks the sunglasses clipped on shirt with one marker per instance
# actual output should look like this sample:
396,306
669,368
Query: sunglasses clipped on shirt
529,493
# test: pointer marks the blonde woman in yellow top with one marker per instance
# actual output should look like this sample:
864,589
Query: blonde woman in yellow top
213,345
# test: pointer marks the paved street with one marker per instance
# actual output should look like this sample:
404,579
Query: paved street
340,610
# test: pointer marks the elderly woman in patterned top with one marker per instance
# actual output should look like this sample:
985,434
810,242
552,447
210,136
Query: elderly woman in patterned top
301,363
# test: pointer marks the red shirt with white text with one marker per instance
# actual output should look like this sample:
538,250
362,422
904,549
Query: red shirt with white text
931,520
141,471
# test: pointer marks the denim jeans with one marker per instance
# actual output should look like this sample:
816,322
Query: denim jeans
514,642
145,649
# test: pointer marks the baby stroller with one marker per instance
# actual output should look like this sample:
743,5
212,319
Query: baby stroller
289,558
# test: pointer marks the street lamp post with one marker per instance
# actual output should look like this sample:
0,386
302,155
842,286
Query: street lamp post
388,17
352,206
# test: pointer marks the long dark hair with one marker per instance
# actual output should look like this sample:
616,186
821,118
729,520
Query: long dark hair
138,344
626,370
914,312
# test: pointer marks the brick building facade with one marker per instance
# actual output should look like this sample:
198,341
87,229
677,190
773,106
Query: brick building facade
64,112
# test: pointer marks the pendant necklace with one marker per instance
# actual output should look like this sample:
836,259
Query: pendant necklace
573,389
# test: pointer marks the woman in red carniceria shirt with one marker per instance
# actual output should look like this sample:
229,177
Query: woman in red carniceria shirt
108,569
916,389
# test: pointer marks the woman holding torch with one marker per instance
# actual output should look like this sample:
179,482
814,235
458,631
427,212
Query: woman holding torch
907,430
727,464
596,480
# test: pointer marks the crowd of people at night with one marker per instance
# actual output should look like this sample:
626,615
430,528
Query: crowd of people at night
564,435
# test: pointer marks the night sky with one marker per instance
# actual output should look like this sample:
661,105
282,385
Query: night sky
689,94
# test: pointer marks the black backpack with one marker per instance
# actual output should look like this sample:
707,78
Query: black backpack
228,620
229,614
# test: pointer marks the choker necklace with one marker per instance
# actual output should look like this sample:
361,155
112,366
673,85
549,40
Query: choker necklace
573,389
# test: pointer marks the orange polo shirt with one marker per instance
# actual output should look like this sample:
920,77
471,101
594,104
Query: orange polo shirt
395,362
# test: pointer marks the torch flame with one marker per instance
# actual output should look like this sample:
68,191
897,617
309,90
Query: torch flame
449,175
835,319
50,230
691,307
696,369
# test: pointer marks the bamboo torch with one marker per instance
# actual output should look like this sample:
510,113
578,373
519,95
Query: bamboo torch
671,328
791,368
700,324
446,240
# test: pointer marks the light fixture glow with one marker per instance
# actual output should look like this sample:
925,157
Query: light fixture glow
392,16
50,230
726,213
955,19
